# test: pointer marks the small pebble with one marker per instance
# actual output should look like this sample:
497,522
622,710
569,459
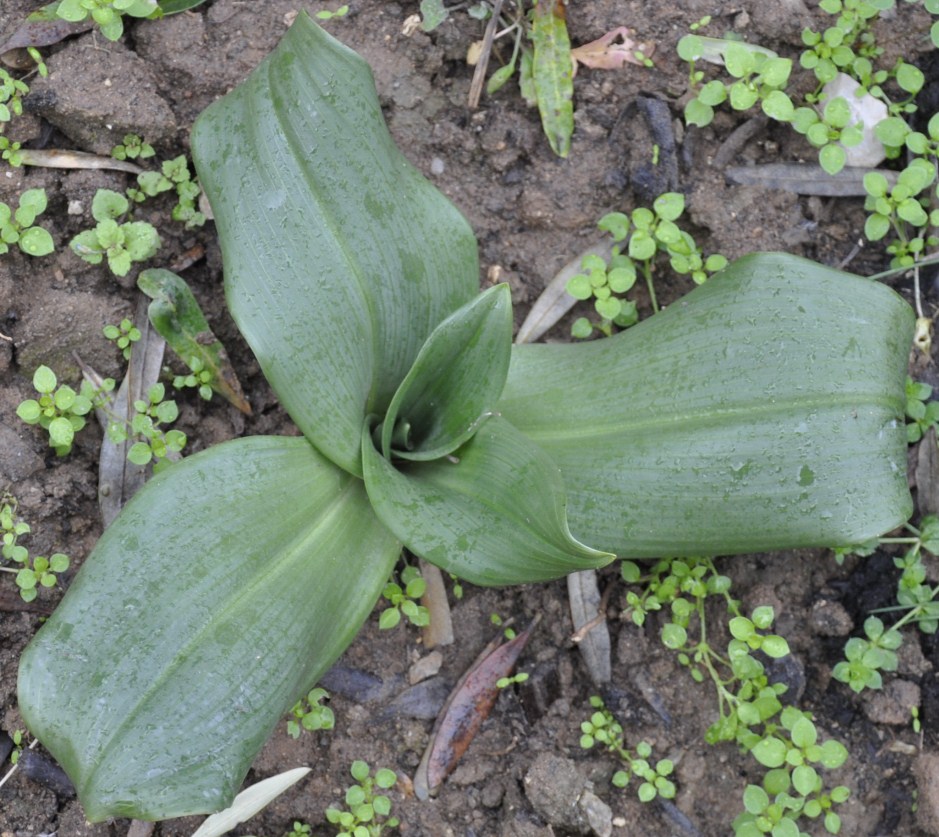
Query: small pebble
437,166
425,667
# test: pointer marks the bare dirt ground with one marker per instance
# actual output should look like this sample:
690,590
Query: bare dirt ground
531,212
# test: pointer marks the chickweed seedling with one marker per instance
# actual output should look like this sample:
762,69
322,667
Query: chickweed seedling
867,656
59,410
108,14
199,377
121,242
173,174
123,336
32,572
830,131
16,226
782,740
604,730
310,714
367,812
921,412
759,78
150,417
132,148
644,234
402,600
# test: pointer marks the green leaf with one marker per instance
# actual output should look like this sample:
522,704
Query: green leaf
770,752
44,379
108,204
742,431
494,516
179,320
255,613
333,236
499,78
552,70
832,158
456,380
36,242
698,113
433,13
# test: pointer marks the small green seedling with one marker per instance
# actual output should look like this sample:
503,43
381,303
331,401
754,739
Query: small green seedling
367,813
17,738
34,571
108,14
11,529
902,210
760,77
173,174
402,600
309,714
325,14
645,233
605,730
499,622
199,377
148,422
831,131
12,91
132,148
783,740
123,336
59,410
121,243
515,679
299,829
16,227
921,412
866,657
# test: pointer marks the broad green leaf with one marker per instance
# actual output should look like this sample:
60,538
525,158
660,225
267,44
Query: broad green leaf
762,411
492,514
340,258
221,593
455,382
553,74
179,320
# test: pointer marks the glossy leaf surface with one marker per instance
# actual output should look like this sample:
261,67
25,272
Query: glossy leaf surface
340,258
762,411
492,514
223,590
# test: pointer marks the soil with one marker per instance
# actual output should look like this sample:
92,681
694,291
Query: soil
531,212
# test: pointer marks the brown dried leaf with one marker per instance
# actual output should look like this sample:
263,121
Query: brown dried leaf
440,629
605,54
118,478
467,707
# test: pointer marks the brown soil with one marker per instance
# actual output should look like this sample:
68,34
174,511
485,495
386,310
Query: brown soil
532,213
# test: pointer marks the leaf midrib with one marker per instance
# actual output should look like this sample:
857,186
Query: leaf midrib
281,565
